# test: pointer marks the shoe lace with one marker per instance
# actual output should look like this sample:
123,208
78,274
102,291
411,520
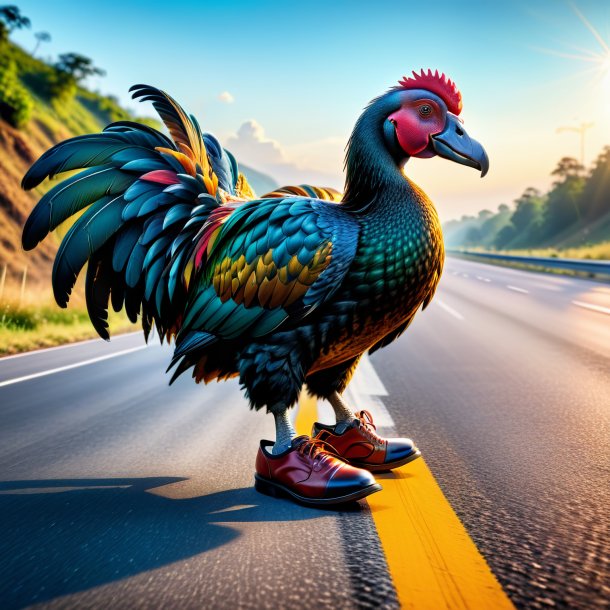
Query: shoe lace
317,448
368,427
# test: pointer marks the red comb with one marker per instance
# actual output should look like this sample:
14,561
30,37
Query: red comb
442,86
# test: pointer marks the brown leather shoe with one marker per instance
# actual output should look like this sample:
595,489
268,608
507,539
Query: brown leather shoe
359,445
310,473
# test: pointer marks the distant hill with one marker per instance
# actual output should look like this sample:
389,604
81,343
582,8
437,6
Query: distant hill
261,183
32,119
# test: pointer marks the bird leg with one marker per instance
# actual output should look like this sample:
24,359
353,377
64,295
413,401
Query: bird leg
343,414
284,430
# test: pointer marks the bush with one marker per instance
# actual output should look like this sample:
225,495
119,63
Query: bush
16,103
61,87
106,108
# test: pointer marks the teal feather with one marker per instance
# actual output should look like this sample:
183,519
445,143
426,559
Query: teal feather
135,205
69,197
269,322
75,153
139,188
84,238
202,301
152,229
158,248
233,325
175,272
153,274
143,166
211,319
155,202
125,242
97,293
133,272
176,213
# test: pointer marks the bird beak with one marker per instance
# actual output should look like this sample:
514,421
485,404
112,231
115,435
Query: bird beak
455,144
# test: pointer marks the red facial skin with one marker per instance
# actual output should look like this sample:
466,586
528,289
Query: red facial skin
415,122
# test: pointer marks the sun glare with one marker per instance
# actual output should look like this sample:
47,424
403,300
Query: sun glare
605,79
598,58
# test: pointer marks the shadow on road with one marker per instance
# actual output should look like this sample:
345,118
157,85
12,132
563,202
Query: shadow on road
62,536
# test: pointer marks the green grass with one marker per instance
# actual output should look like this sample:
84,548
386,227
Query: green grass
27,327
589,252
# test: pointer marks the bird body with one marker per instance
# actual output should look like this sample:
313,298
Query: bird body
282,291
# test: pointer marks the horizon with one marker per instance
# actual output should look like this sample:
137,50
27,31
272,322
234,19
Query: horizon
524,71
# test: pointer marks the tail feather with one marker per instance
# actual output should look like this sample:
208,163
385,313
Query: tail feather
87,235
145,198
188,346
69,197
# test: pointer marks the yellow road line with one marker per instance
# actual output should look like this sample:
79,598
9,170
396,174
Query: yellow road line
307,412
433,561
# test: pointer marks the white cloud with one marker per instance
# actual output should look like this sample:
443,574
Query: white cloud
252,146
226,98
301,163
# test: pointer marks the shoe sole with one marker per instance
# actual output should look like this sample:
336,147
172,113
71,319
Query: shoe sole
277,490
380,468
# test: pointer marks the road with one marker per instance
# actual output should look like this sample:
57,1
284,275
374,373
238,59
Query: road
117,491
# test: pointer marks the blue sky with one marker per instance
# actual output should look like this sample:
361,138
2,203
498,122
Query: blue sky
300,73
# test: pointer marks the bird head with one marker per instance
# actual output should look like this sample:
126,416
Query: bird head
422,120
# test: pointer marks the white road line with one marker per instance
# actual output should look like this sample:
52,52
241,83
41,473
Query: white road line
517,289
456,314
367,381
592,307
44,350
362,393
70,366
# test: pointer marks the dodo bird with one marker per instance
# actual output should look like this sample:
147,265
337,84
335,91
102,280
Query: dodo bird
283,291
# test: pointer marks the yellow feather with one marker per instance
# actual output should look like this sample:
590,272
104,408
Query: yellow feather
294,266
250,290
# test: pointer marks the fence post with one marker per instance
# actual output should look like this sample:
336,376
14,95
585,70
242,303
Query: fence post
3,280
23,279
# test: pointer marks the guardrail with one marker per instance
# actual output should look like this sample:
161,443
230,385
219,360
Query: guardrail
566,264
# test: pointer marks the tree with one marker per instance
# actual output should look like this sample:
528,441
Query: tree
527,217
562,206
493,225
11,19
15,101
595,197
77,66
505,236
568,167
473,237
40,38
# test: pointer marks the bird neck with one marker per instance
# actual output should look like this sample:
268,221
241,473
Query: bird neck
374,175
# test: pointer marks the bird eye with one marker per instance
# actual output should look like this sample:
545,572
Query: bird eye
425,110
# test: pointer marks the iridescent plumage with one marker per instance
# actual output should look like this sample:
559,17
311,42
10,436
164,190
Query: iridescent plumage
284,290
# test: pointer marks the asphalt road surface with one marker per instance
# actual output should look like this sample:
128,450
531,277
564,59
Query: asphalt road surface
117,491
